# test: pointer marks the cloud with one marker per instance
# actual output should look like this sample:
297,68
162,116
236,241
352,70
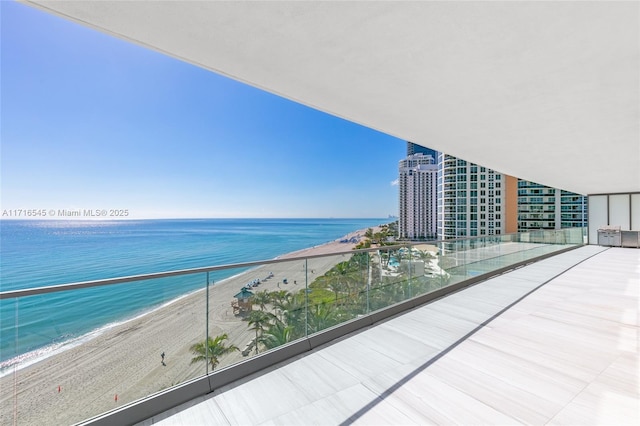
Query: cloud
394,182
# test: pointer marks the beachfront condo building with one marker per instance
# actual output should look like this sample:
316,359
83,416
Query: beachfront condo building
473,200
543,207
417,183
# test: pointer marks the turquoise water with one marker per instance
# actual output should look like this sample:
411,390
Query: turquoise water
43,253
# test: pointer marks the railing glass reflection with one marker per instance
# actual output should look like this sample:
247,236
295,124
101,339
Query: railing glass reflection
237,311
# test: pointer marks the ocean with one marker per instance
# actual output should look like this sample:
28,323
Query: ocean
43,253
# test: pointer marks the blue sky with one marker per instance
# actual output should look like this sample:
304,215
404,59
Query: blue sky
93,122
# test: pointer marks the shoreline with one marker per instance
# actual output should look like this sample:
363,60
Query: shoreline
123,363
52,349
58,347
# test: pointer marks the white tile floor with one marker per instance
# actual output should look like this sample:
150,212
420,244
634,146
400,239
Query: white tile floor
565,354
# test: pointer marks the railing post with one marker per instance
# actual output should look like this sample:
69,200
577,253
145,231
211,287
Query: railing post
15,367
206,338
306,297
410,272
368,281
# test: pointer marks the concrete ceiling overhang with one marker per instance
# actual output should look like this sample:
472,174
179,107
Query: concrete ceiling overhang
545,91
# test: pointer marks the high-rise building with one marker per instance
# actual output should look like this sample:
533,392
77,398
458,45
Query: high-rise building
413,148
417,182
542,207
473,200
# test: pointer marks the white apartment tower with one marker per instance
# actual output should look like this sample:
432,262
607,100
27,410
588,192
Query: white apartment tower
473,200
417,182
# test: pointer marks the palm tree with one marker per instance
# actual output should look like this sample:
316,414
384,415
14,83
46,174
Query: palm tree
258,320
277,334
336,287
352,275
216,348
262,299
424,255
340,274
321,316
280,299
379,238
292,312
369,233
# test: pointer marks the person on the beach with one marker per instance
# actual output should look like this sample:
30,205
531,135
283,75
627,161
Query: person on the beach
162,356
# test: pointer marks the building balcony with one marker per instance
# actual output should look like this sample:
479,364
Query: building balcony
490,336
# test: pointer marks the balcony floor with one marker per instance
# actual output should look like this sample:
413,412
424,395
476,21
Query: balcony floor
491,354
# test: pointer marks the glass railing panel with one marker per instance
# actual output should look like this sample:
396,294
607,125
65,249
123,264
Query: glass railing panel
330,283
300,297
421,265
340,294
87,351
260,308
9,358
391,272
128,354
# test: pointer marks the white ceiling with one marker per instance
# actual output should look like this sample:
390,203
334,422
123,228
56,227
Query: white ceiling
546,91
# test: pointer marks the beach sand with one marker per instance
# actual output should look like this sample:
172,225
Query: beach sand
124,363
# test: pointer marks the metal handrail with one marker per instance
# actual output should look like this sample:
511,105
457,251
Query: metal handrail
12,294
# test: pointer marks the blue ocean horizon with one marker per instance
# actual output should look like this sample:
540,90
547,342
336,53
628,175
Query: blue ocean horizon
50,252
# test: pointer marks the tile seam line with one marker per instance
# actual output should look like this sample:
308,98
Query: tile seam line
584,388
431,361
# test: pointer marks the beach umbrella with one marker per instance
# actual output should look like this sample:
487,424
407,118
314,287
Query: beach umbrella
244,294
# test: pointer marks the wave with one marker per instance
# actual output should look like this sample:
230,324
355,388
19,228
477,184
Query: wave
27,359
30,358
99,250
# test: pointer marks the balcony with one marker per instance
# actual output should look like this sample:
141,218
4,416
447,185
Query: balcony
383,282
549,343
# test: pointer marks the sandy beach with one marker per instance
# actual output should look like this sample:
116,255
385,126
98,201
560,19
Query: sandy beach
124,363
